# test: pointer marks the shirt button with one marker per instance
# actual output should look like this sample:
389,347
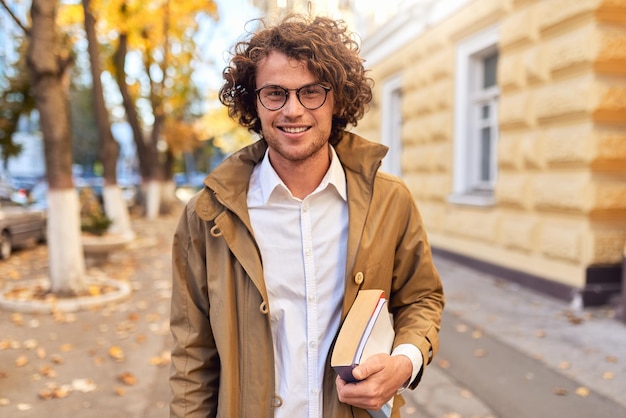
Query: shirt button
358,278
312,344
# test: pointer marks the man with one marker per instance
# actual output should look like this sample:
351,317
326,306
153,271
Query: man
270,255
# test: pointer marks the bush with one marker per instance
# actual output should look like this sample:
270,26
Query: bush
93,220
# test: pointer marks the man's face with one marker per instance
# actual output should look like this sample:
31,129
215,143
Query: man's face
294,133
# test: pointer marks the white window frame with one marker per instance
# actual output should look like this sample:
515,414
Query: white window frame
470,97
391,134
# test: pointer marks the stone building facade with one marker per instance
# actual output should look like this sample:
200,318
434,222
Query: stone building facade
507,119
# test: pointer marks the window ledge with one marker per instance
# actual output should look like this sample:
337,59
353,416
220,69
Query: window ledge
482,199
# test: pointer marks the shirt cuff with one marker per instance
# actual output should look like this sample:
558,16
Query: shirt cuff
414,354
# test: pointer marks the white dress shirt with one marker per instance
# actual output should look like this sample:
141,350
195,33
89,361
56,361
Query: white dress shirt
303,248
303,245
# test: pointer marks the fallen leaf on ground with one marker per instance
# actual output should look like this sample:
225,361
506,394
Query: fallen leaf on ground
560,391
21,361
116,353
162,360
4,402
582,391
608,375
480,352
611,359
564,365
120,391
47,371
30,344
540,333
66,348
444,364
466,394
41,353
57,359
54,391
83,385
127,378
24,406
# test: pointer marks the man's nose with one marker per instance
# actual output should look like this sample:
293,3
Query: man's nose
293,105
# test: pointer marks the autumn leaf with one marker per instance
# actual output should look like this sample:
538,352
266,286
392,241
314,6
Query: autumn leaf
560,391
47,371
83,385
582,391
564,365
127,378
116,353
21,361
608,375
480,352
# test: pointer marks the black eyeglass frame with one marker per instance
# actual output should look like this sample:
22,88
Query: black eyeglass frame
287,92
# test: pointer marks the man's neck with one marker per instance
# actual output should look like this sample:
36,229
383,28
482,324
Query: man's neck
303,177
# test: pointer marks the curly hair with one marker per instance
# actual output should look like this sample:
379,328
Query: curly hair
331,54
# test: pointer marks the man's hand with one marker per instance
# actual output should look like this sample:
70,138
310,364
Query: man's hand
380,377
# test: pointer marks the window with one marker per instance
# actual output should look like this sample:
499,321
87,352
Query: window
392,125
476,120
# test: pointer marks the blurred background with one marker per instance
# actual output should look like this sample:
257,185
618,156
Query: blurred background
506,119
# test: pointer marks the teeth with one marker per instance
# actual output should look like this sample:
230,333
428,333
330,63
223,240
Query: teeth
294,130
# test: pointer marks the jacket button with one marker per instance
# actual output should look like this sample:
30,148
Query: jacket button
358,278
277,402
263,308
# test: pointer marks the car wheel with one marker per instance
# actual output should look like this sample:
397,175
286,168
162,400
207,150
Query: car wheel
5,245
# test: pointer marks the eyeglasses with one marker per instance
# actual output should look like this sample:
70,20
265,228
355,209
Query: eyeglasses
312,96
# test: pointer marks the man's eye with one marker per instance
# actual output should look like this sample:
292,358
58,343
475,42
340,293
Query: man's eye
310,91
274,93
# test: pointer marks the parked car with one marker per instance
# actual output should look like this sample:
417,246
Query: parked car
19,225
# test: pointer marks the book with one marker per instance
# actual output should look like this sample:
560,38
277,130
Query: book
366,331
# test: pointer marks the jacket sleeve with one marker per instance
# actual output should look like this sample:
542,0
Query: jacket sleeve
195,366
417,298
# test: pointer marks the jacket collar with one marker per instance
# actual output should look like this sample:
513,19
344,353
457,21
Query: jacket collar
228,183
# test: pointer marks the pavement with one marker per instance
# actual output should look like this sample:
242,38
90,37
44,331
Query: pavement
506,351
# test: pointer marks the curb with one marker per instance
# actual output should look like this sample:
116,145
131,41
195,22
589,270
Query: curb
49,305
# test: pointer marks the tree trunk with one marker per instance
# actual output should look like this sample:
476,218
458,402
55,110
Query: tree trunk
49,71
147,153
114,204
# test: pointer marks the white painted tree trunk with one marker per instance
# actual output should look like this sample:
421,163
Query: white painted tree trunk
65,250
152,193
116,209
168,191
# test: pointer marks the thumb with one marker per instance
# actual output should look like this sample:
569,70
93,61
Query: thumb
360,372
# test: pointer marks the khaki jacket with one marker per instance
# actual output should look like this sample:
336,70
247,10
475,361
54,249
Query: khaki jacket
222,357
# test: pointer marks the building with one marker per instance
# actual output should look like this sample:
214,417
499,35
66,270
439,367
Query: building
507,119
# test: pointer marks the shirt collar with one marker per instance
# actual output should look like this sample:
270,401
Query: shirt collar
335,176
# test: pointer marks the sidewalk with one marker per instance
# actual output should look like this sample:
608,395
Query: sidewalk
509,352
105,362
502,348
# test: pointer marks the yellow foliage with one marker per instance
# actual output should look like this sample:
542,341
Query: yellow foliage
180,136
226,133
70,15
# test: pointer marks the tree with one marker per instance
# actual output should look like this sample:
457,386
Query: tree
161,33
48,64
15,100
115,206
